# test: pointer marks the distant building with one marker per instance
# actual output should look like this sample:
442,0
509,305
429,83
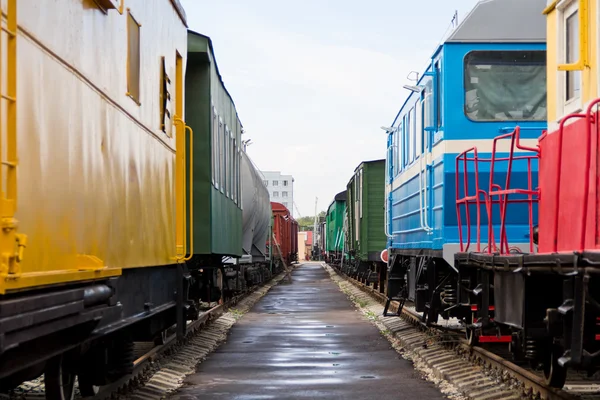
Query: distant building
281,188
304,245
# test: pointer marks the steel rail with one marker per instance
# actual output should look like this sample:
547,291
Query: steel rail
531,382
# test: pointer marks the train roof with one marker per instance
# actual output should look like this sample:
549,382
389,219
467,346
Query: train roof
368,162
341,196
503,21
192,48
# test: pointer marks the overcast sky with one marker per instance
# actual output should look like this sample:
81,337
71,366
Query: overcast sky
314,80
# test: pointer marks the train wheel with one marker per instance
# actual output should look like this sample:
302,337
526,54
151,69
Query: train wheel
554,374
471,336
59,379
161,338
86,387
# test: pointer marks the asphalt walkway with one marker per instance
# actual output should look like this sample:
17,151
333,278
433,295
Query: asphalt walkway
306,340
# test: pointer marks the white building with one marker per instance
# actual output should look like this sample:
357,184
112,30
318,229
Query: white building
281,188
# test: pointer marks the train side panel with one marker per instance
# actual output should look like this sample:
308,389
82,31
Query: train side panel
217,155
92,150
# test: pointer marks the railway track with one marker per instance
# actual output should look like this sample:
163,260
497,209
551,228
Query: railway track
173,359
528,382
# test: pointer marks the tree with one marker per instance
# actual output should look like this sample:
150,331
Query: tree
307,223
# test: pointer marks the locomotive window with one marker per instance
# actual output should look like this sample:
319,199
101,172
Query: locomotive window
406,132
505,85
133,58
440,97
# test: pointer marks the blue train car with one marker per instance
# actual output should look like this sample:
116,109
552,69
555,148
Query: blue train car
486,77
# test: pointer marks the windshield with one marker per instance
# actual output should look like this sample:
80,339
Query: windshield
505,85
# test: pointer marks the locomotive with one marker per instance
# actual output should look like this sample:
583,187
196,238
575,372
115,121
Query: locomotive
545,297
466,192
138,206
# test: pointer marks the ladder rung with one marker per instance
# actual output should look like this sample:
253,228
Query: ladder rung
9,98
9,164
9,32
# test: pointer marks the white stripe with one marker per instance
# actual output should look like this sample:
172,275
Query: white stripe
456,147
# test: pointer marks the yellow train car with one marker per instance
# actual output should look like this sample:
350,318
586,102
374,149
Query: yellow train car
91,109
572,57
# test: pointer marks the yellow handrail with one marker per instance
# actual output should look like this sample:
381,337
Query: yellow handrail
183,257
582,63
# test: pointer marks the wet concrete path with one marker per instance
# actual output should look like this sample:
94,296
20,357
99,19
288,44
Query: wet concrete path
305,340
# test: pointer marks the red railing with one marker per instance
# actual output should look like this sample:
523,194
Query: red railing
495,190
590,117
468,198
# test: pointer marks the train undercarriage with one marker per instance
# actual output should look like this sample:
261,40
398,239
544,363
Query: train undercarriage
88,330
543,307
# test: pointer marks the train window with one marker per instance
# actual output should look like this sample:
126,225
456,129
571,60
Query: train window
413,133
398,158
239,182
360,188
231,167
133,58
419,129
214,146
572,83
226,161
220,156
164,96
505,85
428,117
405,141
440,94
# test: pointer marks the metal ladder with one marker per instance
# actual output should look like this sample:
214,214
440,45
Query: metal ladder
12,244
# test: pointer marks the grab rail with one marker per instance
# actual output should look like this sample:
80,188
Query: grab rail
187,129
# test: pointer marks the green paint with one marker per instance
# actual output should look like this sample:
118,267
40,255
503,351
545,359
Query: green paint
217,218
365,208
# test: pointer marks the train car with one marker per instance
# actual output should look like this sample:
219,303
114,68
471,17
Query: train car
365,234
284,242
334,232
89,139
227,190
484,79
547,299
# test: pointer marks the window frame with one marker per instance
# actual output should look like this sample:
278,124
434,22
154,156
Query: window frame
136,97
215,148
565,9
464,88
220,153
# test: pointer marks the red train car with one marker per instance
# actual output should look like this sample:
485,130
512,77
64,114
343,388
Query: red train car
285,230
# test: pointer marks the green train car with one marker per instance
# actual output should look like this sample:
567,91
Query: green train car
221,173
334,229
365,221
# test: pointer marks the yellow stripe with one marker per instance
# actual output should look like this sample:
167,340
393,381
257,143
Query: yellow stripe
550,8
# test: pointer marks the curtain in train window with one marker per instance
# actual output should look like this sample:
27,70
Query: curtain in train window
505,85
